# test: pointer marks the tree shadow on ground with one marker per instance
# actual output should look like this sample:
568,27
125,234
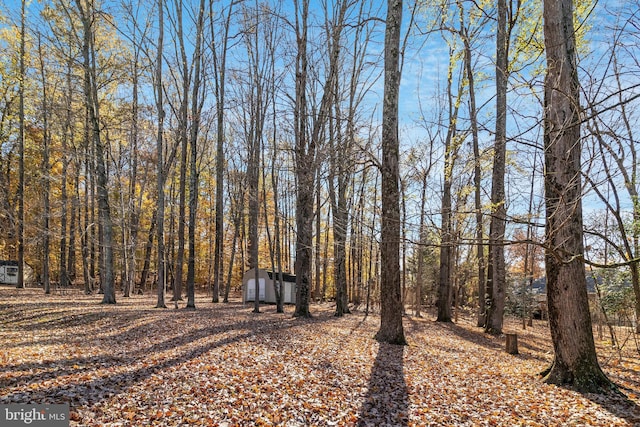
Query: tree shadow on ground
387,399
616,403
478,338
141,361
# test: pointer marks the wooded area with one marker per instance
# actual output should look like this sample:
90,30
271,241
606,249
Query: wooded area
222,365
462,155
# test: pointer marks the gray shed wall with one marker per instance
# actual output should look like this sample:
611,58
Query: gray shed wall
268,295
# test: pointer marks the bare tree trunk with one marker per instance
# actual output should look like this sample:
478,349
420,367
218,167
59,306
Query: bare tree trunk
575,361
257,99
497,267
183,120
219,87
391,329
276,276
92,104
340,221
144,274
46,171
304,156
236,188
403,238
197,99
21,136
444,282
252,179
275,179
134,201
477,174
90,199
232,256
445,287
74,223
529,256
421,247
158,89
317,251
66,138
341,174
357,238
306,143
85,238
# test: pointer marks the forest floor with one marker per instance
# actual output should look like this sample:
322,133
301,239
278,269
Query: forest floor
134,365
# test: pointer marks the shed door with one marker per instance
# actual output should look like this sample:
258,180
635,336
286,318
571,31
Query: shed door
251,289
9,275
288,288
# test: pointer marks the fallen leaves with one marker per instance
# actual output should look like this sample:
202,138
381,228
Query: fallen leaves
131,364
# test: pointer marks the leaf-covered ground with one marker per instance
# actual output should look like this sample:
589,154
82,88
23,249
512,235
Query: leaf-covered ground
134,365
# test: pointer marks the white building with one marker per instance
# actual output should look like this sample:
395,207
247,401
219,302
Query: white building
266,287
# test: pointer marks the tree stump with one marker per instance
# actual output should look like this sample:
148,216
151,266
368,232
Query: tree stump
512,343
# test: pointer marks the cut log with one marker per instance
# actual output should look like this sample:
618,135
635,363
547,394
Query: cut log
512,344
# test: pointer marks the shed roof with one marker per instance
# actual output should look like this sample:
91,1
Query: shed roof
286,277
8,262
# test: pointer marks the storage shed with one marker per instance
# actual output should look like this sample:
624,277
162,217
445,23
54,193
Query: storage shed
9,272
266,286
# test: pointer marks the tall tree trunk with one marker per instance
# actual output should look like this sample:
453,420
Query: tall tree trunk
341,172
219,87
497,267
46,171
275,179
445,287
307,143
276,276
257,101
530,250
66,139
304,159
477,175
391,329
21,136
146,265
237,203
134,206
85,238
575,361
158,89
444,281
421,247
403,238
340,220
357,237
74,223
183,120
90,199
227,288
315,293
91,98
252,179
197,100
